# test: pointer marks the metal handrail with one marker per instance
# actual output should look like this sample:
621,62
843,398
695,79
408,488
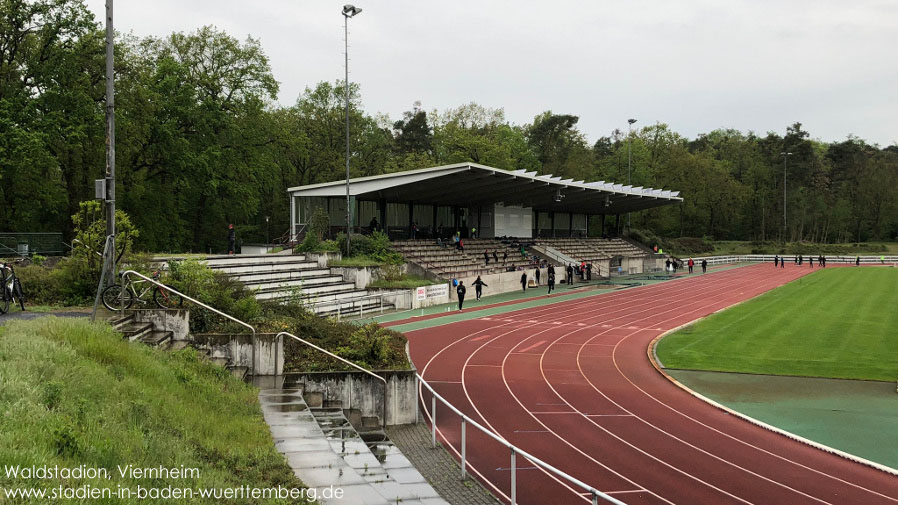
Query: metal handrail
596,494
127,273
102,285
350,363
89,248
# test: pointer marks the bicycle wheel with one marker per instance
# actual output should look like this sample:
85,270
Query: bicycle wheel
4,300
113,296
17,289
165,299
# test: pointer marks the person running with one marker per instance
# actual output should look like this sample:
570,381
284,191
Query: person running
478,287
524,281
691,264
776,261
704,266
811,261
551,282
552,270
537,274
570,274
460,291
486,257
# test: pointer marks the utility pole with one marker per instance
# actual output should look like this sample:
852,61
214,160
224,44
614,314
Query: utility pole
348,12
629,161
110,140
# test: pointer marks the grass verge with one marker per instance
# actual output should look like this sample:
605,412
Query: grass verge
837,323
73,393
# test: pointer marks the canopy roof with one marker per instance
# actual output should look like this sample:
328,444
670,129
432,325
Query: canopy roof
470,185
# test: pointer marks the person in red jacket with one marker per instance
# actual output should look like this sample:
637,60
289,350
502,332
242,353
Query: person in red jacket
691,264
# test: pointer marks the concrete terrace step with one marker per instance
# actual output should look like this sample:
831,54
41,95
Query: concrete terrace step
341,291
238,259
157,338
293,273
309,287
352,308
249,268
134,331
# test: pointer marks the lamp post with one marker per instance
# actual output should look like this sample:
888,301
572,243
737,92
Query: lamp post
629,160
348,12
785,155
267,229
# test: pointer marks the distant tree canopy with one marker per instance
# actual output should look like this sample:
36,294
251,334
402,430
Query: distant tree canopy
202,142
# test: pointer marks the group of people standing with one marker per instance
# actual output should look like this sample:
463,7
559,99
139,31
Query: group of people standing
799,260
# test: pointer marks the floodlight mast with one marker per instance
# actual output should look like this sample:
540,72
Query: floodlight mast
629,160
348,12
110,143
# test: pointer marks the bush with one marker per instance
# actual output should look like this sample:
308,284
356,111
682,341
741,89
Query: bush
647,238
376,246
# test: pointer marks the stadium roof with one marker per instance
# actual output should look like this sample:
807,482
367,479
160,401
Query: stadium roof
470,184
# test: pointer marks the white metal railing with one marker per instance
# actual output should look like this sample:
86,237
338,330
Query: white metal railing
768,258
350,363
351,301
465,420
128,273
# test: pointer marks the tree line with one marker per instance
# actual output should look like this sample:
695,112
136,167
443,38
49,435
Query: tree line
201,142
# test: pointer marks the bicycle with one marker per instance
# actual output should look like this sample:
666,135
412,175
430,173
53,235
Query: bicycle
115,297
11,287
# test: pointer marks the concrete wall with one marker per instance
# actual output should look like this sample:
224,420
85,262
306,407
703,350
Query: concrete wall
238,350
324,258
505,282
176,321
358,390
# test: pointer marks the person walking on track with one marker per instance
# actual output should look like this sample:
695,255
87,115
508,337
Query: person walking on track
524,281
776,261
551,283
460,291
478,287
691,264
704,266
537,274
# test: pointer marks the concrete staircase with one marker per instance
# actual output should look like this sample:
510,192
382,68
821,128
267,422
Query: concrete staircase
284,276
148,334
324,449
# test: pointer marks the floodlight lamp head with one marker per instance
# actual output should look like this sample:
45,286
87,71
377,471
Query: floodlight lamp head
784,153
631,121
558,196
350,10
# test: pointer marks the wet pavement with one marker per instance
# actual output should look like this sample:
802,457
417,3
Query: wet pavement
324,450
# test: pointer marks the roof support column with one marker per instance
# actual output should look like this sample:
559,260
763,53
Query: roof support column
617,226
552,215
433,224
587,225
292,217
570,220
411,218
382,207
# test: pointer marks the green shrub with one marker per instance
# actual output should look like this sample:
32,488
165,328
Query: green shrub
375,246
684,246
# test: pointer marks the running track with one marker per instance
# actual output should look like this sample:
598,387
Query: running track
572,384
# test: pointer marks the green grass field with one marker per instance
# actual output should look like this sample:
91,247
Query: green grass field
837,323
73,393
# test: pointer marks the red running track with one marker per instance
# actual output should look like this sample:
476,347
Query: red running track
572,384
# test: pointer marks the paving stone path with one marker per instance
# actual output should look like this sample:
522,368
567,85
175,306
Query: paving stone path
437,466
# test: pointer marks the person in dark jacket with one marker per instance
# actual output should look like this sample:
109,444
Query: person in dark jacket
486,257
570,274
776,261
524,281
704,266
495,257
478,287
537,275
505,256
589,271
857,261
232,239
551,282
552,270
460,291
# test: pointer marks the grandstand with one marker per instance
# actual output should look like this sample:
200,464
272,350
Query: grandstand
506,208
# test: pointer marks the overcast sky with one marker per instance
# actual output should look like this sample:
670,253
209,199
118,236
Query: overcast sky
695,65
